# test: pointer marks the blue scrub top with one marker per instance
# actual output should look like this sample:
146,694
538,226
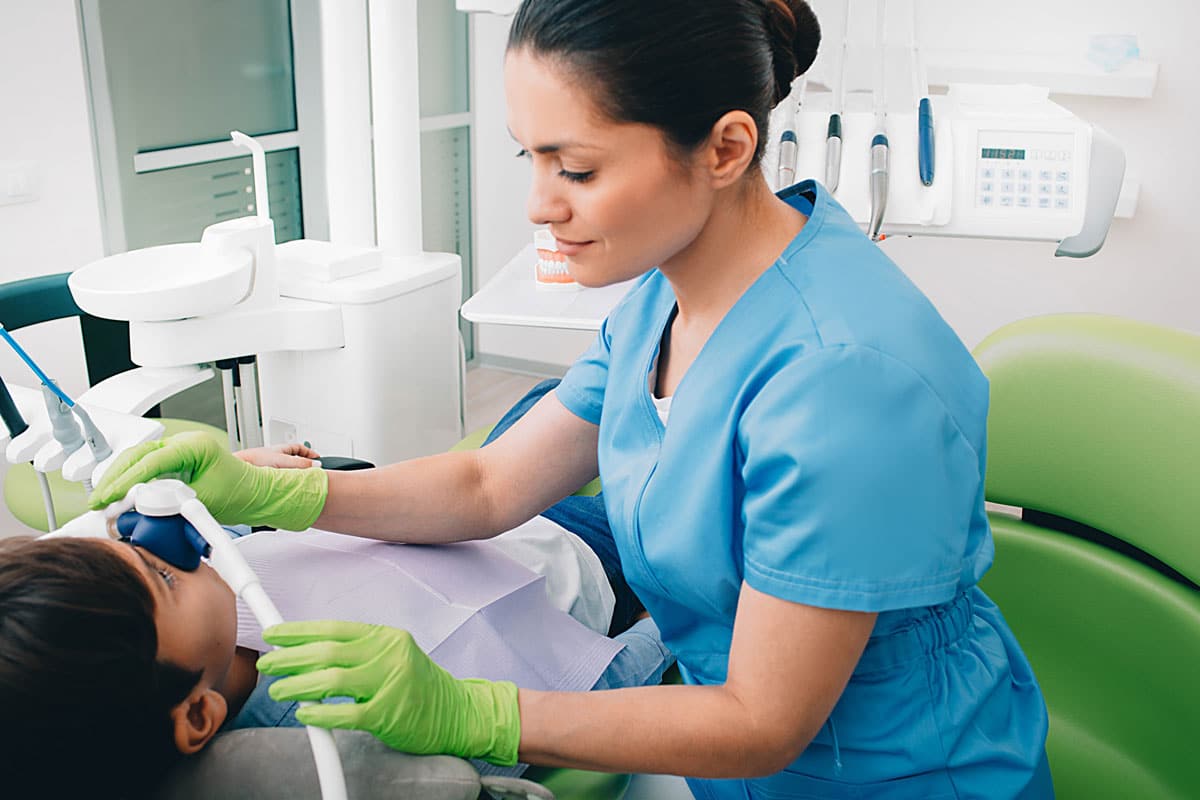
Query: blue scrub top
827,447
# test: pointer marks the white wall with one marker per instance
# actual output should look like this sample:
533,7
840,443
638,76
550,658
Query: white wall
44,118
1147,269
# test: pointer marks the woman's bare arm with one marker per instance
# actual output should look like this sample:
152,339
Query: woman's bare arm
543,457
788,666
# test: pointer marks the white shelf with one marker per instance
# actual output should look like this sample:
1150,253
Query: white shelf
512,298
1060,74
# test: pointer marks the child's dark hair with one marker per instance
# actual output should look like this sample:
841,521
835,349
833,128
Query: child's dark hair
84,701
678,65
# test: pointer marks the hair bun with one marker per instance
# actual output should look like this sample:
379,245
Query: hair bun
795,36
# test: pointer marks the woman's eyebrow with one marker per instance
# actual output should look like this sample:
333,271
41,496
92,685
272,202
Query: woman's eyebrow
543,149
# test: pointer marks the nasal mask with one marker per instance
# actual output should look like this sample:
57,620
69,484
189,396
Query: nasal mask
172,539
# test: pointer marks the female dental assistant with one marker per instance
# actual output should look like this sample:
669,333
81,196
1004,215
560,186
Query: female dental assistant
791,441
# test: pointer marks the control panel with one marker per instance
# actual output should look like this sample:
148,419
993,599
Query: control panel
1025,170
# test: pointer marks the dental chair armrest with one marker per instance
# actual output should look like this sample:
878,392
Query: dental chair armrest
136,391
345,464
276,764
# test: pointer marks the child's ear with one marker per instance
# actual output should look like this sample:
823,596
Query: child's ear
197,719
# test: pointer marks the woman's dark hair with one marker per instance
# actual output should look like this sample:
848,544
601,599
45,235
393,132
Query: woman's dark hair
678,65
84,702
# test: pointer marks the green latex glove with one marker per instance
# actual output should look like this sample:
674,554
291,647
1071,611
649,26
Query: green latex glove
234,492
403,698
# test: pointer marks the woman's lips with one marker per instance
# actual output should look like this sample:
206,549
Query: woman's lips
570,249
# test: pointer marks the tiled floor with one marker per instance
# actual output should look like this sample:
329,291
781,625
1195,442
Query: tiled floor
490,392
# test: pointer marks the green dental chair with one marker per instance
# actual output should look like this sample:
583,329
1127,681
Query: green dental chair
1094,431
106,349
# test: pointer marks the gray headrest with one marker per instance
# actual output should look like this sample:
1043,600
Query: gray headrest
277,764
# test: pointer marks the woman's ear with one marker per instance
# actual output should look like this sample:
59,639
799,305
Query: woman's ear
197,719
730,149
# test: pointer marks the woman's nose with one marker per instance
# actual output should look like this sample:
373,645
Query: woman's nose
545,205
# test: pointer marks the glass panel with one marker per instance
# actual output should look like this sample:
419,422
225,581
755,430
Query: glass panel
446,203
176,205
442,58
182,72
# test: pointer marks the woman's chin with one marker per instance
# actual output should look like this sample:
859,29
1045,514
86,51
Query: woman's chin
593,277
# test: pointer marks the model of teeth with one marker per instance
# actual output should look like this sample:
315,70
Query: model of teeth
551,271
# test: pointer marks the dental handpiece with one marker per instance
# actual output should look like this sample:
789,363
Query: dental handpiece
879,144
833,135
879,184
787,159
788,144
833,152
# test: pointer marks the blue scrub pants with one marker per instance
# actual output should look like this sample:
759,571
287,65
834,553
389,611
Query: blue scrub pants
943,709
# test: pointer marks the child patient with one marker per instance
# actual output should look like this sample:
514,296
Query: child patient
113,663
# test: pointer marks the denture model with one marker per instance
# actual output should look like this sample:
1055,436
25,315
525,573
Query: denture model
551,270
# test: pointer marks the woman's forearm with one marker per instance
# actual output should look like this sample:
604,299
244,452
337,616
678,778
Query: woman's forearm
439,498
788,665
472,494
698,731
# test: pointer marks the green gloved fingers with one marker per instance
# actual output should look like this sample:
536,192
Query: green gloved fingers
233,491
402,697
290,634
332,715
122,465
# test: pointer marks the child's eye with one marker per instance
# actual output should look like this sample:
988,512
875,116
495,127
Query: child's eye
523,153
167,576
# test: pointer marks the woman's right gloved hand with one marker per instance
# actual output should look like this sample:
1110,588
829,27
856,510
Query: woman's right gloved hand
234,492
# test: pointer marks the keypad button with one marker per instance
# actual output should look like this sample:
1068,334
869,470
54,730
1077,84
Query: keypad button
1062,175
985,199
986,186
1062,202
1026,174
1045,175
1023,188
1007,188
1044,188
1006,201
1023,201
1062,188
1006,174
987,173
1043,202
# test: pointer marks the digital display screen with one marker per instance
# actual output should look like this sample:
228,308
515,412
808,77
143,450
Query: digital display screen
1001,152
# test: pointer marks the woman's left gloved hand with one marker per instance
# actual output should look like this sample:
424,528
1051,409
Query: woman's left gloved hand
402,697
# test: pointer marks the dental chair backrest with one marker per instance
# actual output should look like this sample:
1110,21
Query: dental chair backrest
1094,430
